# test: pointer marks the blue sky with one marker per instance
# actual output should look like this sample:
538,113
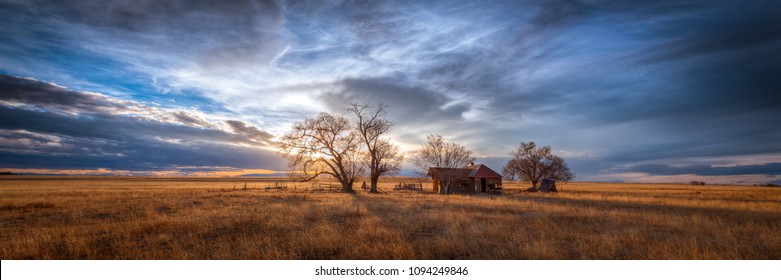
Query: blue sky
665,91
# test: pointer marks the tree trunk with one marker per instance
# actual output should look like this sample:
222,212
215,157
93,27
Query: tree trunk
374,180
347,186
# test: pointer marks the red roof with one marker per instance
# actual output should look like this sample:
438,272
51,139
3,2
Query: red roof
480,170
469,171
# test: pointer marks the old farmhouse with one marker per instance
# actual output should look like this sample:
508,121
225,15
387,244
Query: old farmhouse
469,179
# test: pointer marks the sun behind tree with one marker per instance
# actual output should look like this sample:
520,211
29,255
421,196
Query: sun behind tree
324,145
330,144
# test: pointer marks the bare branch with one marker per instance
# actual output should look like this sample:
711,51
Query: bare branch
382,156
534,164
324,145
438,153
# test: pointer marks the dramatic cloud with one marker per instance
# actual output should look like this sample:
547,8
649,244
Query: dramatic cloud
410,105
623,91
48,126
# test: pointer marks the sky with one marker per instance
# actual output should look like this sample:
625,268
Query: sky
663,91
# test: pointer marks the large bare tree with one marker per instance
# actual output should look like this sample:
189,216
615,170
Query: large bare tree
382,156
436,152
533,164
324,145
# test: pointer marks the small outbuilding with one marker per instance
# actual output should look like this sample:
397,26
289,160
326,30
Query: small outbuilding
469,179
548,185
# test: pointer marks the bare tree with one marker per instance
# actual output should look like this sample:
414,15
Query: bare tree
532,164
510,172
325,145
382,156
438,153
387,161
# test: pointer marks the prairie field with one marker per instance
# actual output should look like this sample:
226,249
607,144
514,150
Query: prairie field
220,218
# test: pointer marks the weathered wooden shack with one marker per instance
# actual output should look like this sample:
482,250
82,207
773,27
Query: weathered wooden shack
469,179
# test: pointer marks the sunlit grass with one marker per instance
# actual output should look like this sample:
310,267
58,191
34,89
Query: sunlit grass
115,218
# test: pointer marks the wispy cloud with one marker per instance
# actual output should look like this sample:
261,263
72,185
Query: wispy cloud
625,84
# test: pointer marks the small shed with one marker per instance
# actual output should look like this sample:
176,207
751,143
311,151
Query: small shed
469,179
548,185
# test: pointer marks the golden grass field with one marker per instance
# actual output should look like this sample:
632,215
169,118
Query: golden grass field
184,218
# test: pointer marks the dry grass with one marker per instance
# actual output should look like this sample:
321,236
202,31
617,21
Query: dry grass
132,218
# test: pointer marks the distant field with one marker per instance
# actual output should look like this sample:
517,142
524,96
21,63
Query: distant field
183,218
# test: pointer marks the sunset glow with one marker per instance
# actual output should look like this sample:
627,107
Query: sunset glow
667,91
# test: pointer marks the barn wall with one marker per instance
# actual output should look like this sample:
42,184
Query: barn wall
464,185
451,181
478,187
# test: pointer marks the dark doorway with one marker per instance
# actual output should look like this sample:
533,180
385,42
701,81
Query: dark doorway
483,184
